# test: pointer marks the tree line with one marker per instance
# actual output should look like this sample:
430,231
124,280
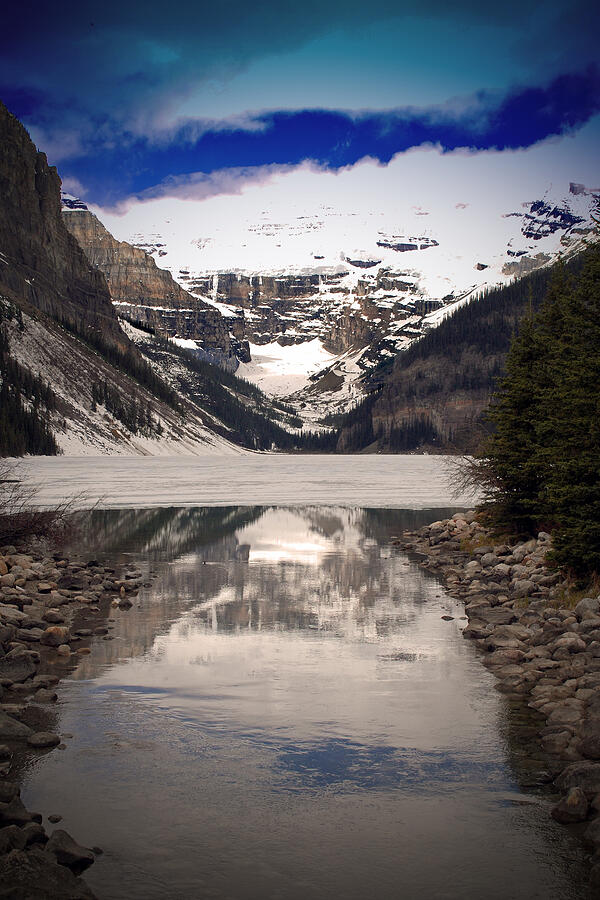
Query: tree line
540,468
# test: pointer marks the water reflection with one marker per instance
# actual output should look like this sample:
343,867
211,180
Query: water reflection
284,714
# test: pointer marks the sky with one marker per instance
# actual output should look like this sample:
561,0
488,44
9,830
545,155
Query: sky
134,101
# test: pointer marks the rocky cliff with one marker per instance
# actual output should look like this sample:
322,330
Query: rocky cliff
41,263
145,293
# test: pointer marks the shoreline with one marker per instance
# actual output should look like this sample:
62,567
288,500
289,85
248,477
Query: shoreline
543,654
51,608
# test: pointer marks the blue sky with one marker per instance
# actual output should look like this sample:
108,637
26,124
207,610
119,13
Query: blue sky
128,98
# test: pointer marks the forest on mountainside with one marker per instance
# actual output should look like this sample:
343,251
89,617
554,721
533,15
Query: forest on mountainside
540,468
25,399
434,394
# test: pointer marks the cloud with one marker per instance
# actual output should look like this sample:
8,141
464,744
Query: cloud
198,186
130,66
331,139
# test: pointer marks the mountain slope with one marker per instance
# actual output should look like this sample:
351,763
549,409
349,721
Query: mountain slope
143,291
41,264
434,394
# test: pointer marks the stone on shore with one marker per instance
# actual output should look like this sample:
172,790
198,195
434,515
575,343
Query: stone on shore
68,852
43,739
13,730
572,808
36,874
55,636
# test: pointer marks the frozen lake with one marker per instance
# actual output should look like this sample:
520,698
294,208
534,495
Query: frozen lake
395,482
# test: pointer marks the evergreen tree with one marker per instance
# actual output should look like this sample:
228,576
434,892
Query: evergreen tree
541,467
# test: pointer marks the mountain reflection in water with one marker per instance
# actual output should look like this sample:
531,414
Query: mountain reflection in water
284,714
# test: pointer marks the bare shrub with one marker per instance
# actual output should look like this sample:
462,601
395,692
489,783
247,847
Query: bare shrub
20,520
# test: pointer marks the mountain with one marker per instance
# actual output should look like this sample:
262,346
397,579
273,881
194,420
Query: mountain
139,288
41,264
434,394
71,377
324,296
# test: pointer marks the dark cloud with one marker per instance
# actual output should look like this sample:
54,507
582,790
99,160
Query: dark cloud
336,139
130,62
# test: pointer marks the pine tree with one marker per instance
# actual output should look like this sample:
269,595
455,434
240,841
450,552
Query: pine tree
541,467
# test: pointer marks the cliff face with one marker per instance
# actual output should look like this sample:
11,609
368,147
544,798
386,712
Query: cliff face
40,261
134,279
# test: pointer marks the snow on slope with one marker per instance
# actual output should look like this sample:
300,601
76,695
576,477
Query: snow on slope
70,368
473,205
282,370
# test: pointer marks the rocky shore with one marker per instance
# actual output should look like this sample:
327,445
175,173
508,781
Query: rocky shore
51,608
541,642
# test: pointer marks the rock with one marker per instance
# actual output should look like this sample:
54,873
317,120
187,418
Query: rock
44,587
68,852
585,775
125,603
53,617
12,838
447,618
14,813
572,808
35,874
63,650
17,667
8,790
45,696
523,588
5,752
12,730
497,615
34,833
587,608
54,818
55,636
570,642
43,739
592,834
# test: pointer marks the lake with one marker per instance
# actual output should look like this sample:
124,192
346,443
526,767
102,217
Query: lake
284,713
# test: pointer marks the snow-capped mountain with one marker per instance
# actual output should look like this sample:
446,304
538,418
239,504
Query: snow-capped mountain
349,286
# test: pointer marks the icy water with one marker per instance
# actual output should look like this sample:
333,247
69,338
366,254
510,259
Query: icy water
285,715
401,482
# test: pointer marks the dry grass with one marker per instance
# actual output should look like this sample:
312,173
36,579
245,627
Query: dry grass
570,594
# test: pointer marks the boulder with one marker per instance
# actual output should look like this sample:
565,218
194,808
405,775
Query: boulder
585,775
14,813
12,730
35,873
55,635
572,808
42,739
68,852
587,608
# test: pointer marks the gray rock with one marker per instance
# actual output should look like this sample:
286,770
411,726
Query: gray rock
12,838
53,617
17,667
585,775
523,588
587,606
43,739
14,813
35,874
68,852
8,791
45,696
572,808
498,615
12,730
